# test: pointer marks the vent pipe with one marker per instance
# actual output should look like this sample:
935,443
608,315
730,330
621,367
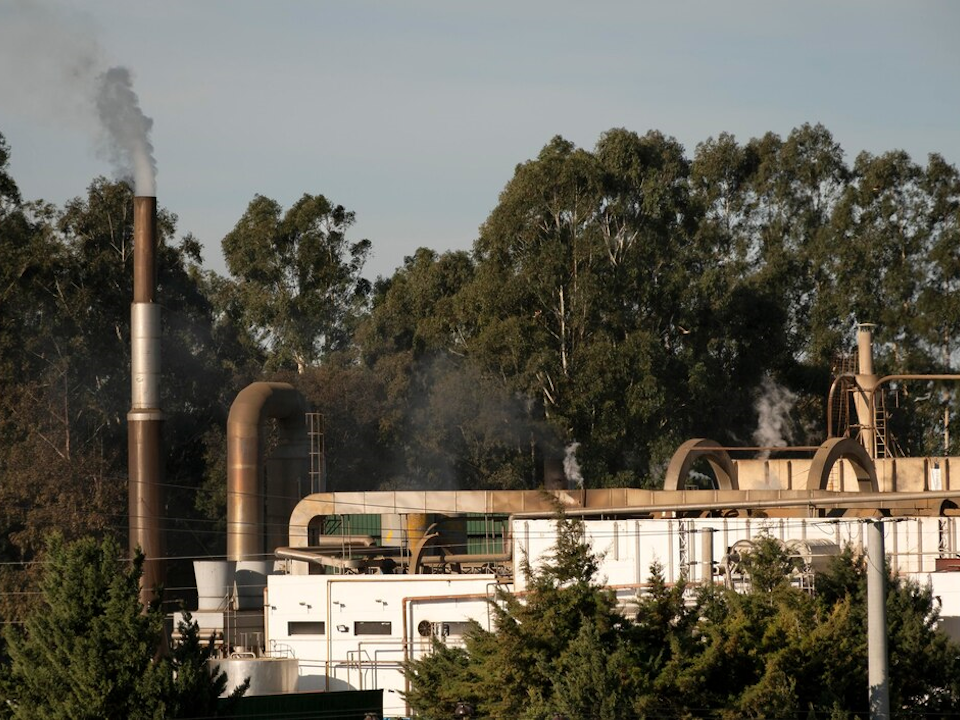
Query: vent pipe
257,520
867,381
145,418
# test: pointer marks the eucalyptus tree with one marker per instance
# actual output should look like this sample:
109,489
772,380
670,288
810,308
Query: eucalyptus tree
65,370
603,294
297,277
444,420
798,183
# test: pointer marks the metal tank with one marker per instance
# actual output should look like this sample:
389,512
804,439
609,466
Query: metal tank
268,676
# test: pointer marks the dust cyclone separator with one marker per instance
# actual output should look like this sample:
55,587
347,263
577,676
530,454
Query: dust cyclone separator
144,421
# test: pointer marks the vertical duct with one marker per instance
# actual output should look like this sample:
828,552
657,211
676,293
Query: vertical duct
867,381
257,520
145,418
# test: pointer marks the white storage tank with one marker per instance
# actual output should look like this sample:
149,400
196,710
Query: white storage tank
268,676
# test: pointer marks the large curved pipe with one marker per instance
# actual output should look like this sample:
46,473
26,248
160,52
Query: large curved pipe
245,493
834,450
690,452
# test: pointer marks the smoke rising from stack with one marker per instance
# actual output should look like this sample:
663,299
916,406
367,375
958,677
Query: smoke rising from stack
571,467
127,130
774,404
52,69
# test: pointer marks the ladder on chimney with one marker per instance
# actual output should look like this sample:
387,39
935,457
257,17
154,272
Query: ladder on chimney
880,424
887,445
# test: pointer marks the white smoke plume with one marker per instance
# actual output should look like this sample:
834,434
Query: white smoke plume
773,405
571,468
53,70
127,129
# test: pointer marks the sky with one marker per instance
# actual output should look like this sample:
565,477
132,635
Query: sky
414,114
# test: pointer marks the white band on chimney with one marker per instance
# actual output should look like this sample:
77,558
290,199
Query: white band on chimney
145,355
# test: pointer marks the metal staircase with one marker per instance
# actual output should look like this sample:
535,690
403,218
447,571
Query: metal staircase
843,363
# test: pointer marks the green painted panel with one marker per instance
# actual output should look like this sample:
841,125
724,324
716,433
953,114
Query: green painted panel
485,533
352,525
348,705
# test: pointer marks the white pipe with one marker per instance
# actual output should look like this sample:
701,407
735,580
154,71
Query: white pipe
877,657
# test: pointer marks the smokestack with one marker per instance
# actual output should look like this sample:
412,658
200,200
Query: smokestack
145,417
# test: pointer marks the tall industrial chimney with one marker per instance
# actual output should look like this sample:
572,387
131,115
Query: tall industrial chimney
145,417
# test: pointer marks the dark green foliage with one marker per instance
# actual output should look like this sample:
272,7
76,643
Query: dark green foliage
625,297
633,298
558,649
194,688
90,651
772,652
297,277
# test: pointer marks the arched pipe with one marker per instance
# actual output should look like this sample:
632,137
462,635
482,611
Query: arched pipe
245,429
692,450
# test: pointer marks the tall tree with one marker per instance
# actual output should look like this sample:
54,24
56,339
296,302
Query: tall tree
558,649
90,651
773,650
298,277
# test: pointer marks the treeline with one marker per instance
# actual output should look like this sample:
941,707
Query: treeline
618,300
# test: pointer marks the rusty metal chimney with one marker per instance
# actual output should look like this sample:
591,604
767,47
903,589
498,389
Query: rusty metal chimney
145,418
257,520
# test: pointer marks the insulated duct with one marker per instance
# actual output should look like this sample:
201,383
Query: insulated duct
867,382
145,418
257,518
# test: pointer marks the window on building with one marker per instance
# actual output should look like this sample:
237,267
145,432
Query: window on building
371,627
301,627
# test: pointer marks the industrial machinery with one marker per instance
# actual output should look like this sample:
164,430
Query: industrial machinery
335,590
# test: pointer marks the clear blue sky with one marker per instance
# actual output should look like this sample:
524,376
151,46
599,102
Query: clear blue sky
414,114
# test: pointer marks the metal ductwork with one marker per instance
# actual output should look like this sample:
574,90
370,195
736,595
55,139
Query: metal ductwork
867,382
257,519
145,419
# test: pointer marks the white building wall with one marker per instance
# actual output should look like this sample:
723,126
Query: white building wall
628,548
342,654
346,652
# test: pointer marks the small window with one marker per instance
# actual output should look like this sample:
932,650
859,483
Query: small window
454,628
305,628
368,627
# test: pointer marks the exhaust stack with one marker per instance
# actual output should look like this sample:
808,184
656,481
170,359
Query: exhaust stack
145,418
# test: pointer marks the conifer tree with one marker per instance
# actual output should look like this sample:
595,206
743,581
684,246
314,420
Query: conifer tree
560,648
90,651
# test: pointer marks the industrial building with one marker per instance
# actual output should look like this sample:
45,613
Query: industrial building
334,591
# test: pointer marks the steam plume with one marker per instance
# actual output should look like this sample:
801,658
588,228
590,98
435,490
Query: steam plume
128,130
53,70
571,468
773,405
